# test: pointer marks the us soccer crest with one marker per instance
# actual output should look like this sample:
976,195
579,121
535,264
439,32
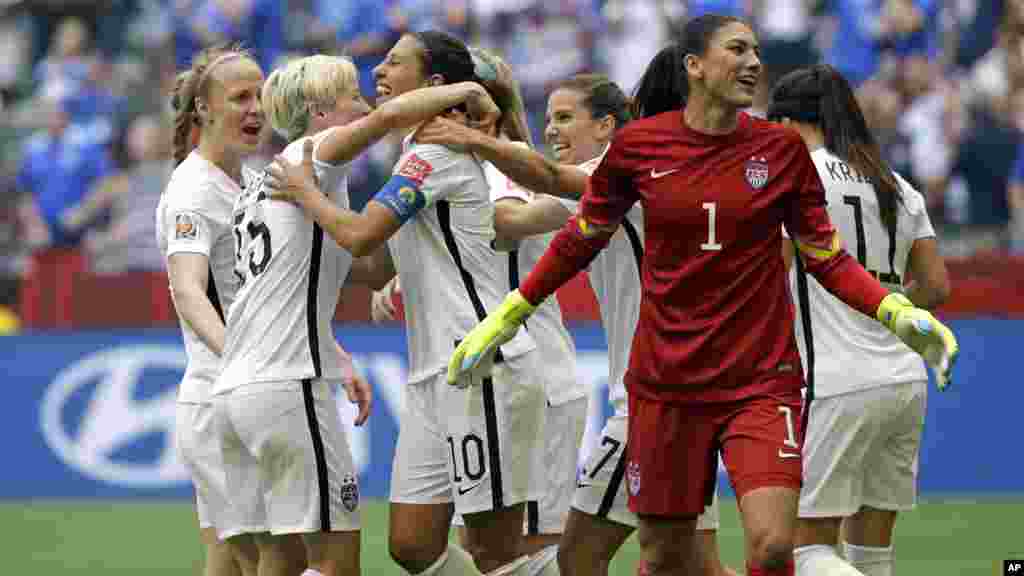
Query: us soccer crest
633,473
757,172
350,493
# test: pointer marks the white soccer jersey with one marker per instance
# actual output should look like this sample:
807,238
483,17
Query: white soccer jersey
615,277
279,328
852,351
450,276
555,346
194,216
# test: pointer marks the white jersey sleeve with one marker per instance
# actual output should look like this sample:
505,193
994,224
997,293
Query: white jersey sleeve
437,171
919,225
194,216
279,329
852,351
450,275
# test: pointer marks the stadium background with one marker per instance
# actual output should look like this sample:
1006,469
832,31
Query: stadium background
91,484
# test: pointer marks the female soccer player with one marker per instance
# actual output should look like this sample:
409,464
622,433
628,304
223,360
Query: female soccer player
289,469
863,430
565,411
218,120
714,365
477,446
584,112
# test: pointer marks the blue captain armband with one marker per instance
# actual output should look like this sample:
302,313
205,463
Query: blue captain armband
403,196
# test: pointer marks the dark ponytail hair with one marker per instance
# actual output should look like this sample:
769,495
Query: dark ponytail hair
664,85
821,96
601,97
446,55
192,84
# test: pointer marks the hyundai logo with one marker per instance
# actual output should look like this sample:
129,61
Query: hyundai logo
113,417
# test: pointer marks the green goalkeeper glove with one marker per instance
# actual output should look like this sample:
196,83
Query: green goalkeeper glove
478,347
919,330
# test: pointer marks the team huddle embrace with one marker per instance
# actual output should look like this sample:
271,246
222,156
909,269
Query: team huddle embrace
738,326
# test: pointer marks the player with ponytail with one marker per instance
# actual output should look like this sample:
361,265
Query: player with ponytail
217,121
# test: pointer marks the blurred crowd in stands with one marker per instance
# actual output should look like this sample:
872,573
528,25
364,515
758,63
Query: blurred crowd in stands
84,116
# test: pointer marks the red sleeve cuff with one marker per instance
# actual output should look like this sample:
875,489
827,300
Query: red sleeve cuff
850,282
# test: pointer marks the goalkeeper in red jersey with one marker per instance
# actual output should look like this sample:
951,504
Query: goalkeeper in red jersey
714,367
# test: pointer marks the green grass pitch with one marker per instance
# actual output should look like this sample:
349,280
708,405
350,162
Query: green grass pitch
949,537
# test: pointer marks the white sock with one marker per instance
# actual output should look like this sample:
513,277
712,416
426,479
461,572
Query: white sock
821,560
453,562
544,562
870,560
518,567
311,572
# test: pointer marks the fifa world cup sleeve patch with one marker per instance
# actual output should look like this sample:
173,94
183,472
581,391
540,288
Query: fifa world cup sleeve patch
403,196
416,169
186,226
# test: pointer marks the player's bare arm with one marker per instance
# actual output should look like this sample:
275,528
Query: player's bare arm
360,234
526,167
375,271
405,111
515,219
929,286
189,275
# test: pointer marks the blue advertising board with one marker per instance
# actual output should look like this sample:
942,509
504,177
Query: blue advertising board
90,414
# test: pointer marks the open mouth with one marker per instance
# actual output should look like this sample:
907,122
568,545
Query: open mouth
747,81
559,148
383,89
252,129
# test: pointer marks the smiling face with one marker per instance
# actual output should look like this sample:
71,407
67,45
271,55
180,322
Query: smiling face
574,135
401,71
233,116
730,68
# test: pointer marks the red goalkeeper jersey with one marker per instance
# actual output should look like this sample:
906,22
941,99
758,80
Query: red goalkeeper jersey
716,319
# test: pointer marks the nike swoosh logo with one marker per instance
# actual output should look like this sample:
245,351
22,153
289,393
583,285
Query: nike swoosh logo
788,454
470,488
655,174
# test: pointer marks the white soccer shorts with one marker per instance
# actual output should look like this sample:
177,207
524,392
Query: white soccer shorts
861,449
477,447
198,447
563,431
287,462
600,490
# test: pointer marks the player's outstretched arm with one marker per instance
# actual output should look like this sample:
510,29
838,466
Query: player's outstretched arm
515,220
360,234
819,247
346,142
528,168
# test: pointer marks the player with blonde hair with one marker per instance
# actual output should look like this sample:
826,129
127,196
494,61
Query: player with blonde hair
289,470
217,122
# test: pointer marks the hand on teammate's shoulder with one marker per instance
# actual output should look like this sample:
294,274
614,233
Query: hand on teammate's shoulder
289,182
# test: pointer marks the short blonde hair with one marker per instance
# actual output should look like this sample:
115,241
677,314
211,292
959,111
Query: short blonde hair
293,90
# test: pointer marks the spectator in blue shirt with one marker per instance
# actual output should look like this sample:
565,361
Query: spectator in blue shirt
257,24
914,27
737,8
854,50
58,169
364,32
